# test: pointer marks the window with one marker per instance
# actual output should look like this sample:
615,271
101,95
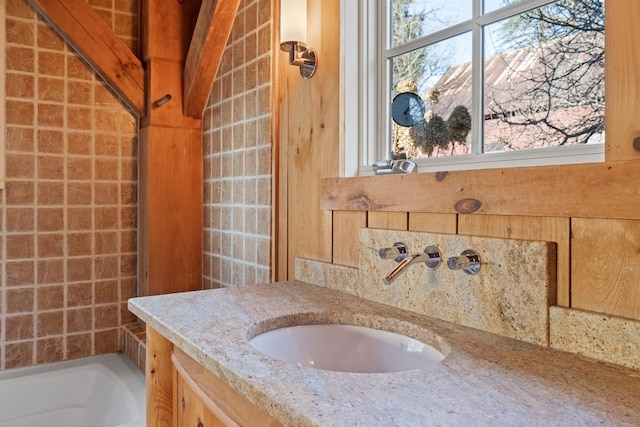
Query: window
478,84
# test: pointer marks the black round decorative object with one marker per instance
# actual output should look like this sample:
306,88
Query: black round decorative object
407,109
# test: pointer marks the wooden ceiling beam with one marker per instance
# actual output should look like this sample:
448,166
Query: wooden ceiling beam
209,40
83,28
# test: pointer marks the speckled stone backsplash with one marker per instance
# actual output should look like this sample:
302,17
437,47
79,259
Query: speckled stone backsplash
510,295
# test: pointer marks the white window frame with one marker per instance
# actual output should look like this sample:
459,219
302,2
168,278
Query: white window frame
363,91
3,101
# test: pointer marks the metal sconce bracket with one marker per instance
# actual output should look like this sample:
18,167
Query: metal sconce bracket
301,56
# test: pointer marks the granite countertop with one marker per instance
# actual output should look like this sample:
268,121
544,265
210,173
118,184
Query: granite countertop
485,379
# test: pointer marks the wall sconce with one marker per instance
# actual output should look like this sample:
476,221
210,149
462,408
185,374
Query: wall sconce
293,32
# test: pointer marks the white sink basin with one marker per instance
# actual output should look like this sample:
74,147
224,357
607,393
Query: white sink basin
346,348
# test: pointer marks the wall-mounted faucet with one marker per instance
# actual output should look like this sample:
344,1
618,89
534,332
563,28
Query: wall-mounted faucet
468,261
397,252
430,256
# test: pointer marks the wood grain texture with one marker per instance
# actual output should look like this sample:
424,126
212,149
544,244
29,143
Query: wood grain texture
167,28
311,137
388,220
165,78
592,190
555,230
83,29
159,378
433,222
219,396
605,266
193,406
171,208
208,43
346,245
622,82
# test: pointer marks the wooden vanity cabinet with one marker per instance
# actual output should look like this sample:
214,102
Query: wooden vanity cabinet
182,393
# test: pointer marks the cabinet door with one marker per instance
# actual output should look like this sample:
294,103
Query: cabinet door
190,410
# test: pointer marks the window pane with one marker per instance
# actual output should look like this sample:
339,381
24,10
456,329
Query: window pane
491,5
441,75
544,78
412,19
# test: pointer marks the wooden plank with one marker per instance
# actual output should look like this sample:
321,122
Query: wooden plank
82,28
388,220
159,379
346,244
210,36
220,394
605,255
165,78
313,126
433,222
592,190
167,28
527,228
171,203
622,68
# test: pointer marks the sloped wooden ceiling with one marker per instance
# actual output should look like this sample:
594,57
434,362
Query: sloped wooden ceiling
83,28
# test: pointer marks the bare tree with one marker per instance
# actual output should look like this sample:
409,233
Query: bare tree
559,98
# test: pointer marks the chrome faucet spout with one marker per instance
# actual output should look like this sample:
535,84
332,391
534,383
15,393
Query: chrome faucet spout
430,256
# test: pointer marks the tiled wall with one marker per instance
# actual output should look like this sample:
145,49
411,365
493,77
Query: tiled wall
68,213
237,155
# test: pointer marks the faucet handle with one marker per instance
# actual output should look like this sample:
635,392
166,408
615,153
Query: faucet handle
397,252
468,261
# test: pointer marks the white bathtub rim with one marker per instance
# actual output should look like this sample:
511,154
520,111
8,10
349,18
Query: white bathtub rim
123,370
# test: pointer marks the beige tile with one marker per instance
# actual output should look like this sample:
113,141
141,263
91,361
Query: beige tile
20,246
78,346
51,63
51,89
20,273
19,328
50,271
19,139
50,297
50,141
79,294
20,300
49,39
49,350
18,354
19,59
50,245
50,323
19,86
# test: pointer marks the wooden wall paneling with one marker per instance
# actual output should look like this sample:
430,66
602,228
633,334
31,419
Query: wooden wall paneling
346,242
605,266
312,135
388,220
208,43
531,191
278,157
159,378
83,28
622,85
172,190
528,228
433,222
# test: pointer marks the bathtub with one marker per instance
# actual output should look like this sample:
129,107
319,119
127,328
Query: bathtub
97,391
